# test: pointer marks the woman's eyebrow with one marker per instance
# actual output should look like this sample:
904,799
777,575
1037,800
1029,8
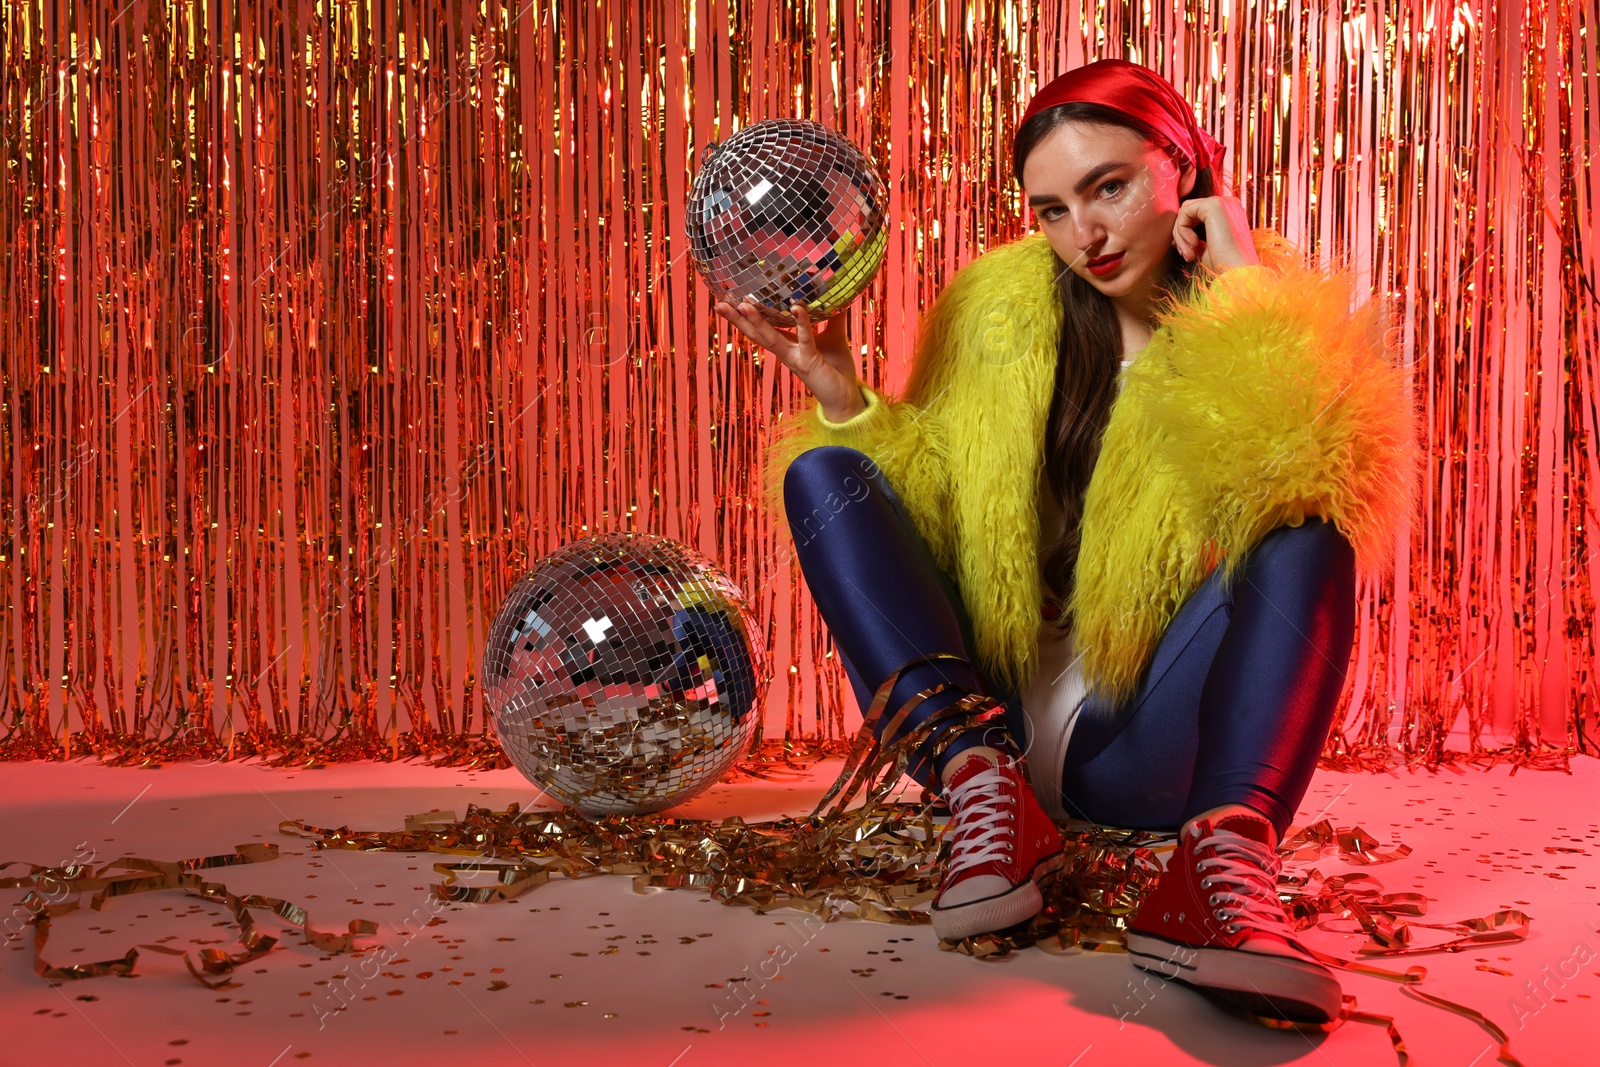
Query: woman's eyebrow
1083,183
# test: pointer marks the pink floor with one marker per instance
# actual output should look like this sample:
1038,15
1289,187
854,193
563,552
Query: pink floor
589,970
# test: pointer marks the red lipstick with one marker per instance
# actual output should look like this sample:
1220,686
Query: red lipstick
1106,264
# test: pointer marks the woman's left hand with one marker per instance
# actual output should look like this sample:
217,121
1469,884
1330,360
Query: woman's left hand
1228,243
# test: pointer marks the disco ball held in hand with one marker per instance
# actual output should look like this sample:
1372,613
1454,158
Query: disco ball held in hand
787,210
624,674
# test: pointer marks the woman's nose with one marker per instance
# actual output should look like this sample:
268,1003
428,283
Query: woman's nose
1089,235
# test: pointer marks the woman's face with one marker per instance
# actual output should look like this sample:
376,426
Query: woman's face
1099,191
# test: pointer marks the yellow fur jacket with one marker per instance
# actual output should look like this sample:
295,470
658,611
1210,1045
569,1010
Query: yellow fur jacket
1268,396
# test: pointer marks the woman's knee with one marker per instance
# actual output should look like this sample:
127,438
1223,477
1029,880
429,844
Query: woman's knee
1307,574
830,467
822,481
1316,547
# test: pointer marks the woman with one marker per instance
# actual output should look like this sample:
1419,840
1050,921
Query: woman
1022,553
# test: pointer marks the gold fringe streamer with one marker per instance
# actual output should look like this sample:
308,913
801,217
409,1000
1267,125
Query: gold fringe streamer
324,321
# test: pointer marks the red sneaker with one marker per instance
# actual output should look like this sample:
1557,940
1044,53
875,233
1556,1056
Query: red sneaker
1003,843
1214,921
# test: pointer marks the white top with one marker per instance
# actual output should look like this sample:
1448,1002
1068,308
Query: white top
1056,693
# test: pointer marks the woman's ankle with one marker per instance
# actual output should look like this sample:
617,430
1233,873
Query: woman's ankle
992,754
1222,811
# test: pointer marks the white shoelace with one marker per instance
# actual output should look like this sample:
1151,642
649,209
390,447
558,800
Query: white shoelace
986,816
1244,873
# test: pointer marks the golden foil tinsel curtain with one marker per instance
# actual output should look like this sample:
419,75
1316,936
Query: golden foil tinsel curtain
323,321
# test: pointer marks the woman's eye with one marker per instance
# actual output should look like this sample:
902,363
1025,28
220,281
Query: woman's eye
1051,214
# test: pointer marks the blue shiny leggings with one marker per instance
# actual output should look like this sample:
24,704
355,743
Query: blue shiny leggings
1234,707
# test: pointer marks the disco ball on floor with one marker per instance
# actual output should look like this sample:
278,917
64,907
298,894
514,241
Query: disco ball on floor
624,674
787,210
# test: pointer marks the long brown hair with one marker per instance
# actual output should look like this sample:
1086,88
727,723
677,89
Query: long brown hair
1089,354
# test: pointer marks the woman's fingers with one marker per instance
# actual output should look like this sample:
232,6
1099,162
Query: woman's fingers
802,329
745,319
732,314
766,334
753,323
751,320
798,351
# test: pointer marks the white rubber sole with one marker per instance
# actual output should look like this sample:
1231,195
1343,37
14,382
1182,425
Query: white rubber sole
1022,901
1272,986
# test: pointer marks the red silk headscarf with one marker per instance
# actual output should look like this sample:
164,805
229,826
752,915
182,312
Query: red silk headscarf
1139,93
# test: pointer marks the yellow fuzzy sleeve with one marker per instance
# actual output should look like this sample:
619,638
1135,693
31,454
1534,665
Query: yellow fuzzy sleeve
862,421
902,438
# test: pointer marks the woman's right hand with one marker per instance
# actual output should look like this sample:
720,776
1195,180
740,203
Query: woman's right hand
820,358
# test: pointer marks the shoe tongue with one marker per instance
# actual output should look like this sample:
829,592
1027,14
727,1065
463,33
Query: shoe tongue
1255,827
